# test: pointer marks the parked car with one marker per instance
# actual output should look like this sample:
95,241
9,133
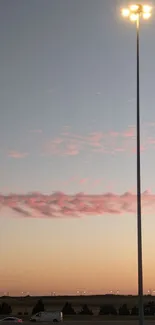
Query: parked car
11,320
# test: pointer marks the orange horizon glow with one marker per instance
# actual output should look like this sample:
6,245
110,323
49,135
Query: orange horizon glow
74,254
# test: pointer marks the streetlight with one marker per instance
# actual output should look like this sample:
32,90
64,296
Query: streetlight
134,13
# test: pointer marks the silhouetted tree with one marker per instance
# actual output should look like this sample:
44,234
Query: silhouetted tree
107,310
38,307
134,311
85,311
26,313
123,310
5,309
149,309
68,309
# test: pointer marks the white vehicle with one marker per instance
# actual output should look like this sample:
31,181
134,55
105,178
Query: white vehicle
11,320
47,316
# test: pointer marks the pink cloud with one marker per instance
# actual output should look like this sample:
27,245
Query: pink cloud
128,134
63,146
58,141
17,154
95,136
84,181
59,205
53,146
90,140
112,142
72,149
96,144
142,149
97,182
71,152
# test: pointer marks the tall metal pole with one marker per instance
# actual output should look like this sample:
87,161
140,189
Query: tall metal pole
139,221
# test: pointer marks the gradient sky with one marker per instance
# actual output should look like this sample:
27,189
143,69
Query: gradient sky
68,114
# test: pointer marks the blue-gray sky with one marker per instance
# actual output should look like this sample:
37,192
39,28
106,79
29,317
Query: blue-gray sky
68,110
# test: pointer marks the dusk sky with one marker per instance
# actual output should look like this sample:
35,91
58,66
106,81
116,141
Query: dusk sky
68,115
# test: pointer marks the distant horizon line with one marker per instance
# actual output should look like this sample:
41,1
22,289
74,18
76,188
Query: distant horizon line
74,295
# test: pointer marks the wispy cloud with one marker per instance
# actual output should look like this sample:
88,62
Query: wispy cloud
72,150
70,143
17,155
84,180
60,205
61,147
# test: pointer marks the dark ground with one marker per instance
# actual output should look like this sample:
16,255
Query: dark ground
99,300
94,322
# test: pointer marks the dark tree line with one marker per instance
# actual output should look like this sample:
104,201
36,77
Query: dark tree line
149,310
69,310
38,307
106,309
5,309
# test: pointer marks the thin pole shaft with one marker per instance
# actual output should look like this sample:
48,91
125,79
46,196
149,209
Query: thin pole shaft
139,221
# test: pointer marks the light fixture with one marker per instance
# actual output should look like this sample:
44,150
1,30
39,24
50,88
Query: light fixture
147,9
137,10
133,17
125,12
134,7
146,15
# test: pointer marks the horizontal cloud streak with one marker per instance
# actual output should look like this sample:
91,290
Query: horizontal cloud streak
71,144
17,154
60,205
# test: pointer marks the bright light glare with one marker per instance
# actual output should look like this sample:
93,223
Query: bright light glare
133,17
125,12
134,7
146,15
135,11
147,9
